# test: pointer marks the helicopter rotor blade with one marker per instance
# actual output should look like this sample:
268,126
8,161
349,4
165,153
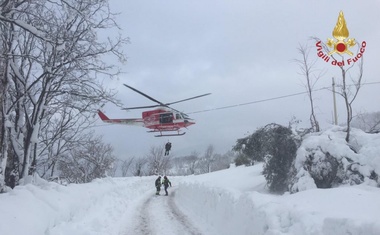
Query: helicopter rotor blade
198,96
143,94
142,107
160,103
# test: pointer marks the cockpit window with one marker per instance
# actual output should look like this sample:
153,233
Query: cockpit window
178,116
166,118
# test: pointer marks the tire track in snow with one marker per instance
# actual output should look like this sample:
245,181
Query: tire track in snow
142,227
181,217
159,215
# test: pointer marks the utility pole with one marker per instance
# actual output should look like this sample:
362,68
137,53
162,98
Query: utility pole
335,115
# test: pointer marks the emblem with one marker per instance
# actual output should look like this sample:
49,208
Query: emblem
340,45
340,33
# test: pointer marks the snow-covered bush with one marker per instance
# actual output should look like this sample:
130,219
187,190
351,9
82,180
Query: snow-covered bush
323,168
252,147
274,144
242,159
280,147
326,160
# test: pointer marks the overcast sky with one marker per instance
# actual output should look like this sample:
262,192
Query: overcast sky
241,52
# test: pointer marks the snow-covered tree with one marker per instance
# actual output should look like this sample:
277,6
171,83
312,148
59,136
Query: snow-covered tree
51,58
205,163
280,148
192,161
126,166
93,160
185,165
276,146
221,162
251,147
139,166
196,164
59,134
157,162
368,122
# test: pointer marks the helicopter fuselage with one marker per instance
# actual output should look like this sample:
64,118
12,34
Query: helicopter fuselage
163,119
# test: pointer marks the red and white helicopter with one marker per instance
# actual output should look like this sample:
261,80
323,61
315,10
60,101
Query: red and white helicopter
162,119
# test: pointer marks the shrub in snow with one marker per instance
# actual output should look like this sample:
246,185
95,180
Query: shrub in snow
242,159
274,144
330,161
252,147
281,148
323,169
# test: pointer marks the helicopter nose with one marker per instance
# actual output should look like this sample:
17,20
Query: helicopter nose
189,121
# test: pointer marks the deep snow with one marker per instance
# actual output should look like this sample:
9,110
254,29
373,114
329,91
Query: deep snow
232,201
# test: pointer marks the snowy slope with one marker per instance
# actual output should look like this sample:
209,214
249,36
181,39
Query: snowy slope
232,201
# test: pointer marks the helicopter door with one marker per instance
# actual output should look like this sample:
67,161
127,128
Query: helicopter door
166,118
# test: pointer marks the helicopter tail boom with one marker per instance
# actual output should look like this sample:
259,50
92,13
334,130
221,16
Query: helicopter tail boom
125,121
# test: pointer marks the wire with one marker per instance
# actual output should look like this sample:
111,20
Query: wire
270,99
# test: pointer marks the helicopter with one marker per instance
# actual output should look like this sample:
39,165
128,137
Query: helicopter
163,119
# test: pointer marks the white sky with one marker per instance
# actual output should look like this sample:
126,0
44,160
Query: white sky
240,51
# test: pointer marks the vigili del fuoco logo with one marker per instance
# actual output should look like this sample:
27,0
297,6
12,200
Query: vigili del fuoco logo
341,45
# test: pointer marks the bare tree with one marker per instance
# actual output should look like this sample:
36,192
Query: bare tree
185,165
349,92
90,161
52,59
158,163
307,69
220,162
206,161
138,169
368,122
193,160
209,156
59,134
126,165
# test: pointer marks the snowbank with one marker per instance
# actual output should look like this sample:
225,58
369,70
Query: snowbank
97,208
230,209
330,161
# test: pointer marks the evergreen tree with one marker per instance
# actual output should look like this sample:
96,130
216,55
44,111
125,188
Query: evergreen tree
276,146
251,147
281,148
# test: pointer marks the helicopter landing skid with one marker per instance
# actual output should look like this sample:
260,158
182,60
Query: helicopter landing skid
179,134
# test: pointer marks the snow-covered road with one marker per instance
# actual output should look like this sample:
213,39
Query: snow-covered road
149,214
160,215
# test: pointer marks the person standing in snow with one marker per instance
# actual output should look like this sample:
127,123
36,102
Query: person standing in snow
166,184
158,185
